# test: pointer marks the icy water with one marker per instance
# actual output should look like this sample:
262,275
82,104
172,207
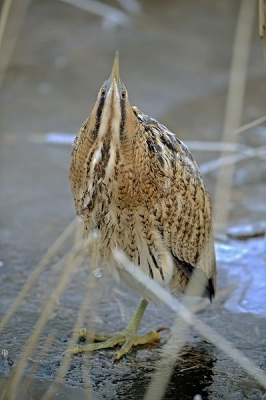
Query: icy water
245,266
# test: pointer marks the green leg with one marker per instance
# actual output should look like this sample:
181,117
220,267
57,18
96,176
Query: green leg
128,336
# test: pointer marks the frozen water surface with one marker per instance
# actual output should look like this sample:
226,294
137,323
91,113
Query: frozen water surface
245,266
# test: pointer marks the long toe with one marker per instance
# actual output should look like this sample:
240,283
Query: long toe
125,337
93,337
132,341
110,343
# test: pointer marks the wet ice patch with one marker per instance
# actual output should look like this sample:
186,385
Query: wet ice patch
244,263
60,138
247,230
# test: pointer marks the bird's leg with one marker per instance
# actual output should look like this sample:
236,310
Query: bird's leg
128,336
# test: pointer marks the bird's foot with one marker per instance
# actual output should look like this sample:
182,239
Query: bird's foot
129,338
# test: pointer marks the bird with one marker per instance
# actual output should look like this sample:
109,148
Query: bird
136,184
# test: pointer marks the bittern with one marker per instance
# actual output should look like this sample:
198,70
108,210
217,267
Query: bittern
139,186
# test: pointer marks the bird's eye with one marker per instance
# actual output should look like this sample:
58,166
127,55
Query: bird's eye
124,94
103,93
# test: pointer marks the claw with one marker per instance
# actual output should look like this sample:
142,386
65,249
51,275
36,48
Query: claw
113,359
163,328
77,350
82,333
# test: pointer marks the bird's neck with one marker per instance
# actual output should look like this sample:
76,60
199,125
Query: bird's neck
134,173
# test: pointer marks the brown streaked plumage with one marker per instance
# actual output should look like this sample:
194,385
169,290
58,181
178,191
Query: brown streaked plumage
135,182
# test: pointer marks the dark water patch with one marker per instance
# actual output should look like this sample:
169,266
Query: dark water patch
191,375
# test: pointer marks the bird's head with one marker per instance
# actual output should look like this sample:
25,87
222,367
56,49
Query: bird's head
112,113
104,141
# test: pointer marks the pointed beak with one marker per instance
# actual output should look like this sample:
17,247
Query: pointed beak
115,71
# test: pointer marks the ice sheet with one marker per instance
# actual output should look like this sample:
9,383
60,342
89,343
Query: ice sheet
245,265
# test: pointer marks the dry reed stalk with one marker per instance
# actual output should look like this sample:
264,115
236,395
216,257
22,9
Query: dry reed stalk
36,273
202,305
14,14
3,18
85,305
226,146
86,377
73,263
184,312
232,159
262,20
67,357
26,385
170,351
105,11
250,125
234,105
173,347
